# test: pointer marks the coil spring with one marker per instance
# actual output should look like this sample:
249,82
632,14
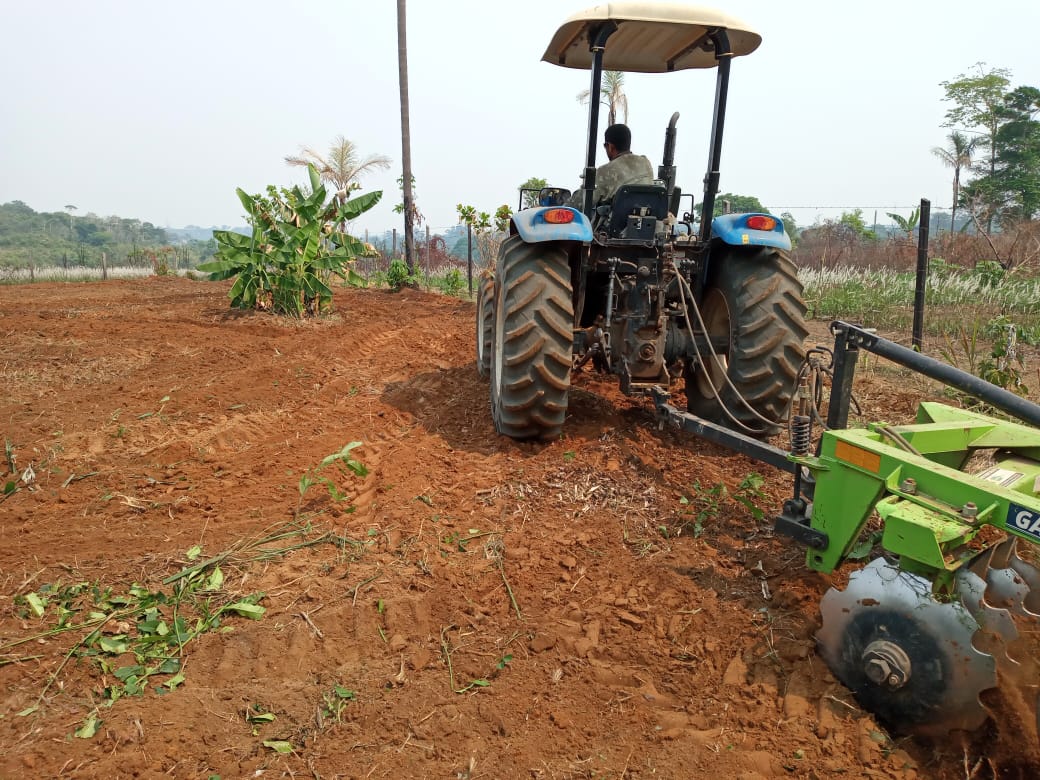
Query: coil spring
801,435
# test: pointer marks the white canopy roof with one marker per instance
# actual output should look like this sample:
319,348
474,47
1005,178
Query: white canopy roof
651,37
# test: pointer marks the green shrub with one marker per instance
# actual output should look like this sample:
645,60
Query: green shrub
297,245
453,282
990,272
397,275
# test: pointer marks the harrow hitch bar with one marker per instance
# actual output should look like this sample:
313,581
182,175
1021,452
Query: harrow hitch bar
849,339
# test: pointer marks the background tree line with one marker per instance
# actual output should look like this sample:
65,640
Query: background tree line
993,147
32,239
993,152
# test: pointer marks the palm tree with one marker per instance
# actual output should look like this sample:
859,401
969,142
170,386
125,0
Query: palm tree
406,138
958,156
342,167
612,95
70,208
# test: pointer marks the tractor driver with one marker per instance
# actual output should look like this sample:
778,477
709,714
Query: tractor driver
622,167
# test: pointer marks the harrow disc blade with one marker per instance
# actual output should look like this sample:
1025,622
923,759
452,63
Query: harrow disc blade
974,593
1031,575
1012,594
907,657
1009,589
1011,583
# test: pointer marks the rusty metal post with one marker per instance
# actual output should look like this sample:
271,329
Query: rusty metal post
922,273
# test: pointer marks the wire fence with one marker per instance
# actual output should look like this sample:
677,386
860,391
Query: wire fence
437,250
440,250
441,246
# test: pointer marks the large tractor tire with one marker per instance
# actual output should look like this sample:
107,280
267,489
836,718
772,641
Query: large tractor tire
532,338
753,303
485,325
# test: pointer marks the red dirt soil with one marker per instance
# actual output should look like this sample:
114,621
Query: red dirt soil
498,610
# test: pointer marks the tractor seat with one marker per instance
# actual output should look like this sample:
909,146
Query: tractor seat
635,211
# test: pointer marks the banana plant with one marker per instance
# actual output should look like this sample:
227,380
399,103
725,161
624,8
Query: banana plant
295,248
907,224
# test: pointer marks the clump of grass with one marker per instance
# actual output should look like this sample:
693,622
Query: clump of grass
451,282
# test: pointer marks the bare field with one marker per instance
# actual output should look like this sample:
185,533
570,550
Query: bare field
462,606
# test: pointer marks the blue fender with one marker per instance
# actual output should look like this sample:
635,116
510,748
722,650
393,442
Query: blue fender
533,228
734,230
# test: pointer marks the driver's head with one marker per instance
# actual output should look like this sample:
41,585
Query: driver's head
617,139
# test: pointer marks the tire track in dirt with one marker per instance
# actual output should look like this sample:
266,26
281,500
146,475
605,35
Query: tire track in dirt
230,433
370,453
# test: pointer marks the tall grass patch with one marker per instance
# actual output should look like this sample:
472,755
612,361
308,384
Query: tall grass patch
883,298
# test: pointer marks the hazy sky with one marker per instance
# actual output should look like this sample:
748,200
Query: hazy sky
159,110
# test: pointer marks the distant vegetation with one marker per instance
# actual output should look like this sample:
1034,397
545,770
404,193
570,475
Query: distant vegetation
35,241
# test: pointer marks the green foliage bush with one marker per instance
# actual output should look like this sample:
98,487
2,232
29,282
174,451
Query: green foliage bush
453,282
298,243
397,275
990,272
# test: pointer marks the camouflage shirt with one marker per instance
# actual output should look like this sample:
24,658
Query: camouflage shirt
626,168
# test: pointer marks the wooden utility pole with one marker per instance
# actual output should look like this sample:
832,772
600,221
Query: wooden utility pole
406,140
469,257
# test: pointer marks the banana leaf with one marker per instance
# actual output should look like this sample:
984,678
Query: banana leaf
315,287
248,201
354,279
346,242
221,269
355,207
312,174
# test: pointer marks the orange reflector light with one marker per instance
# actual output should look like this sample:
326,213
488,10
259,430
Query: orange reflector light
761,223
869,461
558,216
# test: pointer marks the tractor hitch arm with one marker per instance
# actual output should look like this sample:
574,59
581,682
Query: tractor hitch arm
738,442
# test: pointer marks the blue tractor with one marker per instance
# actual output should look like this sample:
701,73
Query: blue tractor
631,286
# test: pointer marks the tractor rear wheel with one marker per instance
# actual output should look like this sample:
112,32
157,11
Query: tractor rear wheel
532,338
485,325
752,303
